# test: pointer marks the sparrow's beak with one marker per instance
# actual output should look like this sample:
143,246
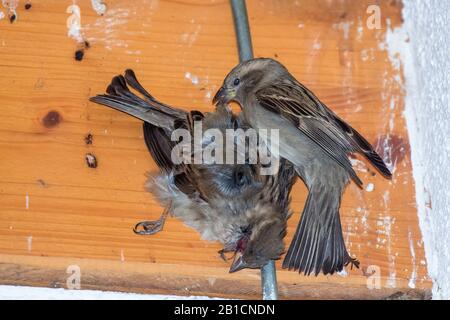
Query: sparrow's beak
238,263
223,96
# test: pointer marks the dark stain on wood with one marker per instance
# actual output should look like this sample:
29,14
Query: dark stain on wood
79,54
52,119
88,139
42,183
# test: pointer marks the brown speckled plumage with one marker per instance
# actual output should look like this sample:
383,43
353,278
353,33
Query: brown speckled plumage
317,142
230,203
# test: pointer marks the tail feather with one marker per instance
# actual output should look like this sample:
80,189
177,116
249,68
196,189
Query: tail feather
129,107
159,119
118,88
148,109
318,244
132,81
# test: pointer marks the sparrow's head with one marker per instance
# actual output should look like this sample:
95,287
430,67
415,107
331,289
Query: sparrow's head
261,241
235,180
247,77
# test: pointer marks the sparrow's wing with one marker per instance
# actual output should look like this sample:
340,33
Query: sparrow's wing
362,145
159,145
299,105
310,122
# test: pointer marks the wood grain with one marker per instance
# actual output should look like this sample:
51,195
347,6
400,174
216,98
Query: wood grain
55,211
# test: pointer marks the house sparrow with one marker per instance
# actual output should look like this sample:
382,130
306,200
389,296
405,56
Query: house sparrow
316,141
230,203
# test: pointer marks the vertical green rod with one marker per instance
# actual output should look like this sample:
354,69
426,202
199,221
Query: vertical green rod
244,41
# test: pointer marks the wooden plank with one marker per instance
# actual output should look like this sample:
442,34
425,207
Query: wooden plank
55,211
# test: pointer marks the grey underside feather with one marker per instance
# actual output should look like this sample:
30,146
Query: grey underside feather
210,220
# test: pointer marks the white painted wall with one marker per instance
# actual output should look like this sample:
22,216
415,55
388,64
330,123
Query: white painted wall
426,62
34,293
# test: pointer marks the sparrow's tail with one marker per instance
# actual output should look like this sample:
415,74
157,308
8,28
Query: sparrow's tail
318,244
159,119
144,107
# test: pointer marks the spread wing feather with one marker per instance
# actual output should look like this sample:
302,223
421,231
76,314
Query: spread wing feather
336,138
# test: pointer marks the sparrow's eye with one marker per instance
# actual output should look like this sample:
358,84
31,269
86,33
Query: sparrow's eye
236,82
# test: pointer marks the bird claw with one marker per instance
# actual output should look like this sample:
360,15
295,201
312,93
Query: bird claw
353,262
223,256
148,227
151,227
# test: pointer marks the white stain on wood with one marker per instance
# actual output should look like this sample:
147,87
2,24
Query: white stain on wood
412,279
344,27
73,23
388,223
27,201
29,243
111,29
11,6
386,199
370,187
193,78
98,6
358,165
190,38
106,29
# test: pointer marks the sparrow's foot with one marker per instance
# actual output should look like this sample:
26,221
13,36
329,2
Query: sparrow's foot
151,227
353,262
222,254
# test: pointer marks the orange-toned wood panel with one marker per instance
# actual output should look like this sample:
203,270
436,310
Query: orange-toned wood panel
55,211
